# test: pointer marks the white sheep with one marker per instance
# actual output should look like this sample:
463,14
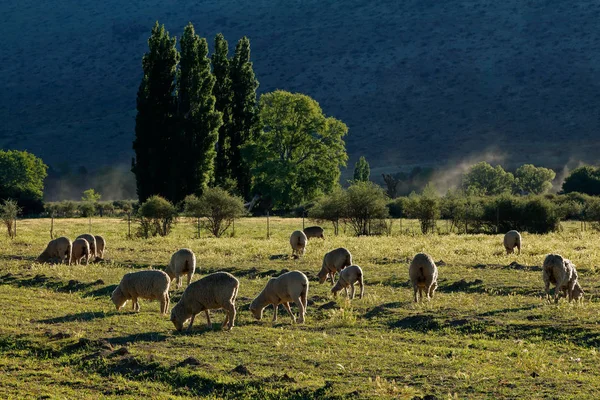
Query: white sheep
291,286
213,292
561,272
298,242
81,249
150,284
512,239
100,246
60,248
92,241
182,262
314,232
334,261
347,278
423,275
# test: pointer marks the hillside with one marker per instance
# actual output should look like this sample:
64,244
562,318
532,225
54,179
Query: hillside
418,82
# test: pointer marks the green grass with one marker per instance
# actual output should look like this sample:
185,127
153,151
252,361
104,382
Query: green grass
487,334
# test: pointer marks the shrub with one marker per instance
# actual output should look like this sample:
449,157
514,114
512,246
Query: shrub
365,201
217,206
8,213
330,208
156,216
424,207
540,216
397,207
86,209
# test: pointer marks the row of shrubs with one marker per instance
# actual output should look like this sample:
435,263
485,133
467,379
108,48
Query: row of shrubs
72,209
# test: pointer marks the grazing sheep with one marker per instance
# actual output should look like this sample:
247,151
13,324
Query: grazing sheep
182,262
81,249
150,284
512,239
60,248
100,246
213,292
334,261
314,232
561,272
298,241
291,286
348,277
423,275
92,241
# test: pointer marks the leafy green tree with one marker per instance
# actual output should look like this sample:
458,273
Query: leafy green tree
331,207
154,165
8,214
365,202
198,118
530,179
362,171
425,208
299,155
484,180
223,99
22,179
244,125
91,196
218,207
156,216
583,180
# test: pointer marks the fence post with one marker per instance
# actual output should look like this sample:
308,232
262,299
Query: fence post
303,219
198,227
129,225
268,230
52,228
90,225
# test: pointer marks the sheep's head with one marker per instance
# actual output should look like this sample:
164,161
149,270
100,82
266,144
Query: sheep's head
118,298
176,319
256,311
578,292
322,275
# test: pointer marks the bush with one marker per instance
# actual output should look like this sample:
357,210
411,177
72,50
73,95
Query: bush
156,216
330,208
217,206
365,201
397,207
539,216
8,213
424,207
86,209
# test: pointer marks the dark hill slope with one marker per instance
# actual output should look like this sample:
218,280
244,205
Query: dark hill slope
417,81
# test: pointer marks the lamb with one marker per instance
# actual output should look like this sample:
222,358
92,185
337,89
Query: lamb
60,248
183,261
512,239
334,261
348,277
562,273
81,249
298,241
291,286
92,241
100,247
149,284
423,275
314,232
213,292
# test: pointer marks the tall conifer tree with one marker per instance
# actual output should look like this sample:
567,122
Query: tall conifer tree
223,96
199,122
245,122
156,107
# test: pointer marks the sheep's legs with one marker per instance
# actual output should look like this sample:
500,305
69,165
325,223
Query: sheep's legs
362,287
415,288
208,323
286,305
351,292
346,289
229,319
301,309
275,307
189,279
178,282
191,322
332,275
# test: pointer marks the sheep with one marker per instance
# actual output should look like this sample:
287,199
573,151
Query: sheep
213,292
334,261
348,277
562,273
291,286
150,284
60,248
298,241
81,249
512,239
314,232
423,275
92,241
100,246
183,261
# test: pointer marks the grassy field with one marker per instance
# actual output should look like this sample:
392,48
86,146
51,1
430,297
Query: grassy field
487,334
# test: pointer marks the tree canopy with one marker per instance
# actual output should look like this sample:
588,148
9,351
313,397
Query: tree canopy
530,179
485,180
583,180
299,154
22,179
362,171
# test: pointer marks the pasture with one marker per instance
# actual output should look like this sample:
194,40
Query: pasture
488,333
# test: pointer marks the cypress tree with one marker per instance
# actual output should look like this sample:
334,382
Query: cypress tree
362,171
223,97
156,107
245,123
198,120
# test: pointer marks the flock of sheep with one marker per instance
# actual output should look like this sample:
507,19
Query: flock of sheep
219,290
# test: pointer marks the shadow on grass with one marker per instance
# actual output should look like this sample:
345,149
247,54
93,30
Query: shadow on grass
101,292
139,337
17,258
83,316
419,323
46,282
383,309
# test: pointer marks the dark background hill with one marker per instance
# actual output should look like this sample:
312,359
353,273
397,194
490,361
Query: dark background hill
420,82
